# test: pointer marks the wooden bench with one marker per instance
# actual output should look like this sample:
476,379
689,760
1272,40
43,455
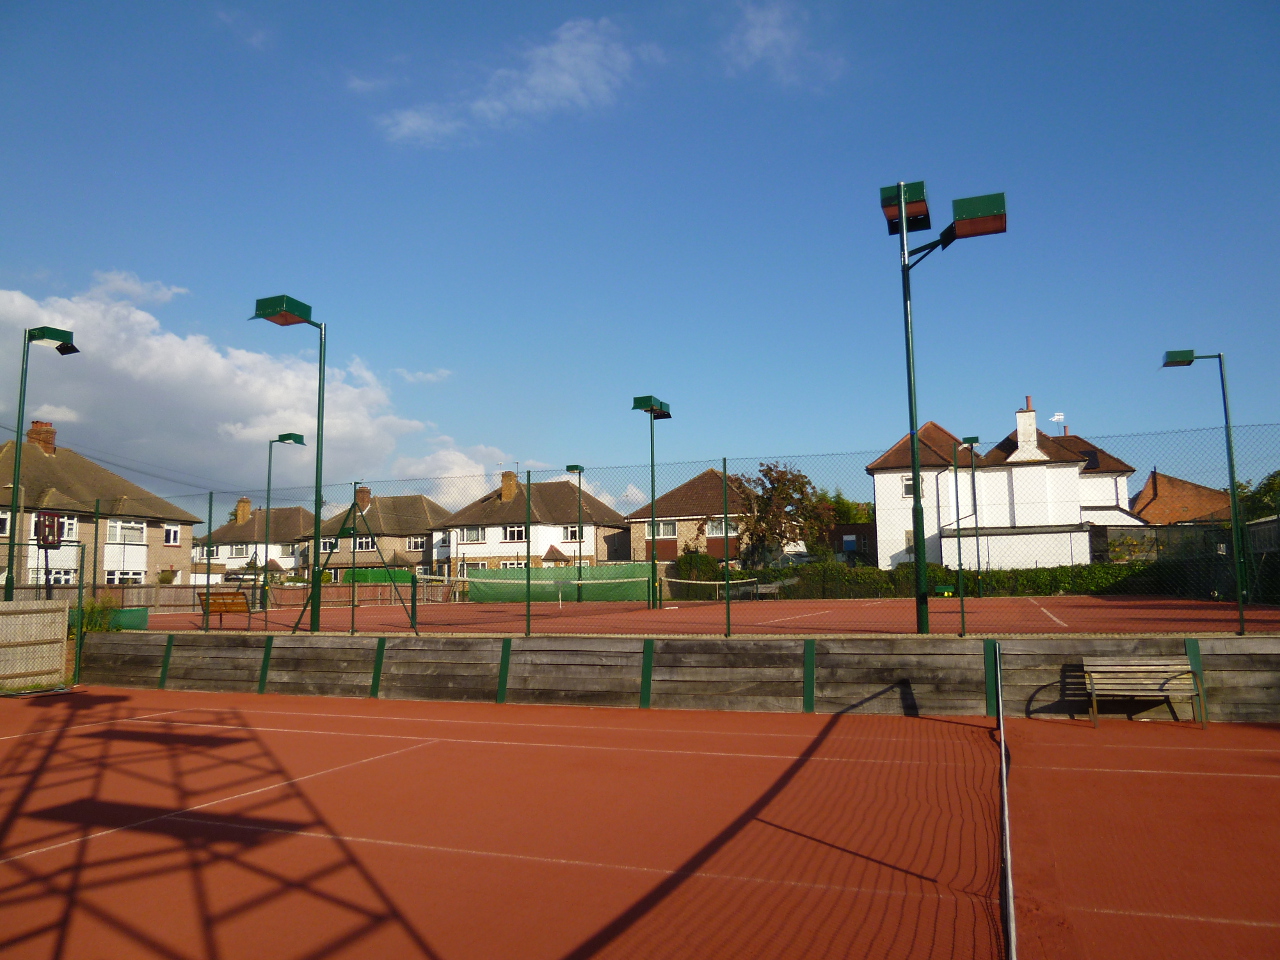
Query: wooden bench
224,601
771,589
1144,678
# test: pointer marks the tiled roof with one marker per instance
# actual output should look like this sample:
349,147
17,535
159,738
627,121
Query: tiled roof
1166,499
64,480
936,446
1049,446
935,451
287,525
405,516
703,496
554,502
1098,460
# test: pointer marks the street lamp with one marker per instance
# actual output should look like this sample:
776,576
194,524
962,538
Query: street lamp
972,217
1184,358
577,468
294,438
657,410
286,312
64,343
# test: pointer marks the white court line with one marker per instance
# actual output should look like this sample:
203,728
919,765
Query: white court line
1179,916
209,803
1120,746
96,723
799,616
1061,623
940,893
562,746
1164,773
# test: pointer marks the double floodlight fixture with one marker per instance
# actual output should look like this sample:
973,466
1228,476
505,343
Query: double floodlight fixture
60,340
658,409
971,216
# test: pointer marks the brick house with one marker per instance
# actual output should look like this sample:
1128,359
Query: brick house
489,533
140,537
690,518
404,532
239,543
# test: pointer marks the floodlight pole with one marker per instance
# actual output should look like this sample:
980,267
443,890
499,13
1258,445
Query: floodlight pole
653,519
319,497
917,509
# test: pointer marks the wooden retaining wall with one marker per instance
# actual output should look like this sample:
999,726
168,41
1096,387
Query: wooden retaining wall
893,675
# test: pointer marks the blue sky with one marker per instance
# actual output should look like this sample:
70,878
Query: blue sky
515,217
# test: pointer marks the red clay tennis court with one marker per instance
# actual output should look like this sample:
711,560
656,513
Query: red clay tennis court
186,825
988,615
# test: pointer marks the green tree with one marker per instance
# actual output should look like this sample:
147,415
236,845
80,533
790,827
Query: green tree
1261,500
782,506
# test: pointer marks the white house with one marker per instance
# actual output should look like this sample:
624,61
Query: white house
1038,497
238,549
489,533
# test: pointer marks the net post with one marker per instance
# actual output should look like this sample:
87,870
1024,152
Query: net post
989,653
528,552
164,663
724,476
376,683
504,666
266,663
810,671
75,674
646,674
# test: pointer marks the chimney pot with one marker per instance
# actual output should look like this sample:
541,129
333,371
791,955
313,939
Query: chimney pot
43,436
244,509
508,485
1066,431
1028,406
363,498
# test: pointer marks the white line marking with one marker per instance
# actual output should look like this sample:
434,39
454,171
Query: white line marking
564,861
209,803
1165,773
563,746
1061,623
1179,916
96,723
799,616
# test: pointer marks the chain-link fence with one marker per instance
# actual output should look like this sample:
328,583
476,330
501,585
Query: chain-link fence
1053,534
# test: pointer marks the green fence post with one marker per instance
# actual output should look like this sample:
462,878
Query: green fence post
504,666
377,668
164,664
989,667
646,674
413,603
810,665
266,664
75,674
1192,646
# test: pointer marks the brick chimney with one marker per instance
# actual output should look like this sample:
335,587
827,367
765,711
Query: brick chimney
509,485
43,436
244,509
1028,448
363,498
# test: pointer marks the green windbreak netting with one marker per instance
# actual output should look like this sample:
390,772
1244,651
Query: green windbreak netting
623,581
376,575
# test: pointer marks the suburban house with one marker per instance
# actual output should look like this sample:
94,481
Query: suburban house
403,532
690,518
1165,499
1039,498
489,533
140,537
237,548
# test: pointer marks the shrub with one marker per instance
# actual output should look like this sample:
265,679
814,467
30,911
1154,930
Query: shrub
97,614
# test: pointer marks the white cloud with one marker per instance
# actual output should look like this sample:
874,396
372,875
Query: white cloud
367,85
581,68
774,35
164,399
453,476
123,285
422,376
55,414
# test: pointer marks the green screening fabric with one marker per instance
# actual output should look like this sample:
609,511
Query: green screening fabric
556,583
376,575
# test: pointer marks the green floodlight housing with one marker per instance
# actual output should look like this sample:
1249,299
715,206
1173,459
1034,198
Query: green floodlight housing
975,217
1179,358
573,468
969,440
652,406
291,438
282,310
917,207
60,340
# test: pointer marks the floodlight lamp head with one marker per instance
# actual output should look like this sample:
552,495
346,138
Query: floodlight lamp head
1179,358
290,438
67,349
574,468
977,217
917,207
60,340
651,405
283,311
969,440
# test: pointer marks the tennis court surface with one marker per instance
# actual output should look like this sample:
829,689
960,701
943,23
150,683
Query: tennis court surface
164,824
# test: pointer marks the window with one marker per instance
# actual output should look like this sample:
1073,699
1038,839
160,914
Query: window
208,553
122,578
328,544
288,549
239,549
908,488
512,564
126,531
172,535
364,543
4,522
666,530
715,528
56,577
513,533
67,527
471,535
466,565
416,543
571,534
